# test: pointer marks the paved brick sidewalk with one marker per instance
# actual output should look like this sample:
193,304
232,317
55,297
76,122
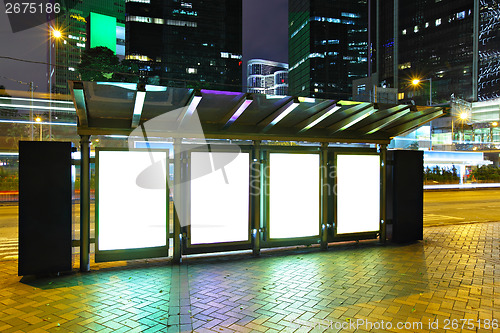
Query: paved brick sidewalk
453,274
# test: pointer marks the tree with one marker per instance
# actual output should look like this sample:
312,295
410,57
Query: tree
98,64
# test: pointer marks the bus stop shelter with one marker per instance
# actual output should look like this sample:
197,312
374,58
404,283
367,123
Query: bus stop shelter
244,171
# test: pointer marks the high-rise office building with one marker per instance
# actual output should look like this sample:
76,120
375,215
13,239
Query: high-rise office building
451,46
190,43
489,50
328,46
267,77
75,31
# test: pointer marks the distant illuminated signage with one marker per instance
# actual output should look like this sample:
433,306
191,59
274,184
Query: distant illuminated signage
293,195
358,193
102,31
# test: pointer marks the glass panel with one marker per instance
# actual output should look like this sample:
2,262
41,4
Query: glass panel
132,200
358,193
219,199
293,195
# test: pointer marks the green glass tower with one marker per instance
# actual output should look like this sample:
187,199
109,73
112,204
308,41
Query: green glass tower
327,47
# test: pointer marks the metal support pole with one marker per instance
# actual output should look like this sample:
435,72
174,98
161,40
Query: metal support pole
430,91
383,192
85,203
31,110
324,195
177,255
255,190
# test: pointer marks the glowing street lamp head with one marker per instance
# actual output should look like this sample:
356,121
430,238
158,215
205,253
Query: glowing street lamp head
415,82
38,119
494,124
463,115
56,33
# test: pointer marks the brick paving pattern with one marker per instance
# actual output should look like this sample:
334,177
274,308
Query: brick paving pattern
453,277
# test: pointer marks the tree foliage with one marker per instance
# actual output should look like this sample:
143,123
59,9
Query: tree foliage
98,64
441,175
101,64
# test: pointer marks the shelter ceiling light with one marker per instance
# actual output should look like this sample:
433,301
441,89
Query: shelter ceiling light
140,96
241,107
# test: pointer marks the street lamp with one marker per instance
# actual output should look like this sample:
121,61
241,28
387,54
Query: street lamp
493,125
416,82
54,34
39,120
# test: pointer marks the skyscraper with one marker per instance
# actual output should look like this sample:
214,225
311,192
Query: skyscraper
452,46
267,77
489,50
187,43
65,50
328,46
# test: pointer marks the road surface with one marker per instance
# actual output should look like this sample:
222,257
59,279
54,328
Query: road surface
440,208
453,207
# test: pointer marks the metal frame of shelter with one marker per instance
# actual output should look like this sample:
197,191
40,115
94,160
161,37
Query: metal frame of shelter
114,108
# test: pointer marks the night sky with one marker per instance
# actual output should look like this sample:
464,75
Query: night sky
265,36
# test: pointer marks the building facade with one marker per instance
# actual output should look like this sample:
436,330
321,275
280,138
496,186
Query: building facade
267,77
187,43
65,50
489,50
450,46
328,47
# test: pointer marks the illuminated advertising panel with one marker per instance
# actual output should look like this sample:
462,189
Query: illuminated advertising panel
358,193
293,195
219,199
102,31
132,200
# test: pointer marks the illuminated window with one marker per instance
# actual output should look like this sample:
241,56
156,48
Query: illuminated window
415,29
438,22
404,31
191,70
426,24
401,96
182,23
144,19
351,15
137,57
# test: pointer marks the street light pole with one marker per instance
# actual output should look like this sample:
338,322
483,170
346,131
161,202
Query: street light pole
54,34
415,82
430,91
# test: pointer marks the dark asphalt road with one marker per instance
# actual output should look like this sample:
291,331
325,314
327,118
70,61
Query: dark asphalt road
454,207
440,208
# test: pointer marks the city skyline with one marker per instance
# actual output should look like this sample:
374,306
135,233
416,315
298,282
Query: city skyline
265,35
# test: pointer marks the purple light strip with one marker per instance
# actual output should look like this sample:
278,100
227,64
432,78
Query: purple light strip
238,112
218,92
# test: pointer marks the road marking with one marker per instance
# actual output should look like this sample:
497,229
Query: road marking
9,248
435,217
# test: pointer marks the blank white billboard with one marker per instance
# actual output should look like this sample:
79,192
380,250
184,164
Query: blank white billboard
220,198
294,186
132,200
358,193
